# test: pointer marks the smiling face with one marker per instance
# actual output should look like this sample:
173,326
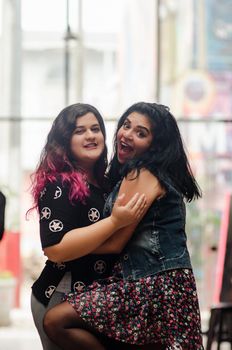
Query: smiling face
134,137
87,142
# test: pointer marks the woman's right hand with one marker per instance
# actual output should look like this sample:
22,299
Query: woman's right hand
132,211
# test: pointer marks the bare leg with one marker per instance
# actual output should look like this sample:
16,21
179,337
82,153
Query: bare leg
66,329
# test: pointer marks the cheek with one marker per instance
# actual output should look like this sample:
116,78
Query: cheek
75,144
102,139
102,142
72,145
143,147
119,133
75,149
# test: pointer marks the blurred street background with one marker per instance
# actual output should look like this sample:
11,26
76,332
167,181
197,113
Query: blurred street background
112,53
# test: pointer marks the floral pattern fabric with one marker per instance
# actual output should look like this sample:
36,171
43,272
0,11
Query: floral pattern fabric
157,309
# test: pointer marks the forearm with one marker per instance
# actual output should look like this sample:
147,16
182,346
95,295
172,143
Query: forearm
116,243
82,241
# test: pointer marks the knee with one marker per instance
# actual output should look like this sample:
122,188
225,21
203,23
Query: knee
50,324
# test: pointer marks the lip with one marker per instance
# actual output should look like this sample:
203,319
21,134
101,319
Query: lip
125,146
91,145
124,151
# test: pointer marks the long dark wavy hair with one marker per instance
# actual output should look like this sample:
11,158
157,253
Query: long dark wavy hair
56,158
166,154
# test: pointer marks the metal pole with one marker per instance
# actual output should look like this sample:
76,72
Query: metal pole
12,54
158,47
68,36
66,56
79,56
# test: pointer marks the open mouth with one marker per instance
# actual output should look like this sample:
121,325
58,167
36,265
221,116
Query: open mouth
124,147
124,152
91,145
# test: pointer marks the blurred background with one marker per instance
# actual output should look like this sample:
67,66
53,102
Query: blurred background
112,53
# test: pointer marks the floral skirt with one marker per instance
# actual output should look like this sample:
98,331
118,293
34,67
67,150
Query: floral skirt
159,309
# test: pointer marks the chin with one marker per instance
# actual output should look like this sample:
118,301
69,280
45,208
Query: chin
122,161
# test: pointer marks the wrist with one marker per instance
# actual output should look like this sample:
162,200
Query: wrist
114,222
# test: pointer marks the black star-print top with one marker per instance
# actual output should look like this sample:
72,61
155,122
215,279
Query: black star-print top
57,217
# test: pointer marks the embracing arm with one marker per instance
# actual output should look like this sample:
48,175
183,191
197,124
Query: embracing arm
145,183
82,241
116,243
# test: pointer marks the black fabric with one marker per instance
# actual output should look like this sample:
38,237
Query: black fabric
57,217
46,284
2,214
57,214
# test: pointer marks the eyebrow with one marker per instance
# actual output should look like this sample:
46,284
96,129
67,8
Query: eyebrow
83,126
144,128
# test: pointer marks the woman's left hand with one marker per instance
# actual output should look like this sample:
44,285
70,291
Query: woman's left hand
132,211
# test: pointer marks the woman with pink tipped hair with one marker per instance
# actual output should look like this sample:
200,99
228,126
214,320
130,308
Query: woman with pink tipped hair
69,190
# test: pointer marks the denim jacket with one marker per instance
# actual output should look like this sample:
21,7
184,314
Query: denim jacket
159,241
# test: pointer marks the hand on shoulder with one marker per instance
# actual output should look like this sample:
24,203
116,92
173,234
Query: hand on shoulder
144,182
132,211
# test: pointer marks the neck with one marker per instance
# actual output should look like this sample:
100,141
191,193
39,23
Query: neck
91,178
89,172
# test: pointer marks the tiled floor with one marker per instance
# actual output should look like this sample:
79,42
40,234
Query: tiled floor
21,334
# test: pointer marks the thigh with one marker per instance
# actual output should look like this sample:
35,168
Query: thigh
65,316
38,311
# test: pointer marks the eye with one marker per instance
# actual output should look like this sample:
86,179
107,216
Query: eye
141,134
126,125
96,129
79,131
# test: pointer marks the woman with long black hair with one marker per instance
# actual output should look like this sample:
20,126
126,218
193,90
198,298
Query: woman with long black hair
69,190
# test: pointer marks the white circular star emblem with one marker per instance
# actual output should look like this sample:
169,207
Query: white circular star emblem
49,291
45,213
79,286
100,266
58,192
59,266
42,193
56,225
93,215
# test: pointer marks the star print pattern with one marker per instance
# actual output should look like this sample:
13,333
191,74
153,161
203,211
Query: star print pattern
42,193
45,213
49,291
93,215
79,286
58,216
58,192
56,225
100,266
59,266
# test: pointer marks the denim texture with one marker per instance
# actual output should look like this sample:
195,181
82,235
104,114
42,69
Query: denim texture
159,242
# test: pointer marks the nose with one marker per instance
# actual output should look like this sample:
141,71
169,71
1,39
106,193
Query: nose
90,134
128,134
